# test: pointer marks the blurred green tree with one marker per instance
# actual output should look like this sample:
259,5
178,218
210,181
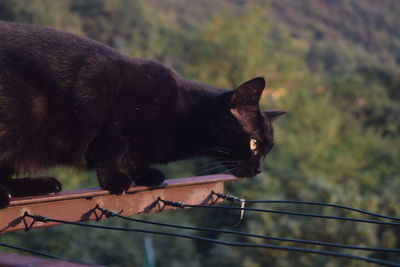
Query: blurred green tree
127,25
37,12
333,65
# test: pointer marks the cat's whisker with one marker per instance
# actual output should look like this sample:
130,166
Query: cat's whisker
227,155
220,161
212,164
226,161
209,168
237,172
226,151
216,165
234,170
231,171
206,172
228,168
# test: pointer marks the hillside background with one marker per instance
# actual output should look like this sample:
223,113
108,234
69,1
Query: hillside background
334,65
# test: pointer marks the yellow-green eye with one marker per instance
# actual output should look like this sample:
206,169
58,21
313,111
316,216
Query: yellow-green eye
253,144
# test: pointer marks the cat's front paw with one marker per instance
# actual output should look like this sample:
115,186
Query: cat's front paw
118,183
47,185
5,197
149,177
33,186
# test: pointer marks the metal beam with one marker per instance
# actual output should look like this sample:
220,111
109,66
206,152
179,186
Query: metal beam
79,205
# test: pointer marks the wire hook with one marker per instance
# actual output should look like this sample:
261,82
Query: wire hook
35,218
233,199
230,198
177,204
105,212
242,204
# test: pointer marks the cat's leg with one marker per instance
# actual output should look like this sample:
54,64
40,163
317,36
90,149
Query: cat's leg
111,179
5,196
16,187
147,176
104,154
28,186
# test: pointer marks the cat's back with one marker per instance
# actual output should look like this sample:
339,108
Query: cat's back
51,82
57,64
34,40
50,56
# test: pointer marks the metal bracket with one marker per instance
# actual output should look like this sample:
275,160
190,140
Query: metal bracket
105,212
35,218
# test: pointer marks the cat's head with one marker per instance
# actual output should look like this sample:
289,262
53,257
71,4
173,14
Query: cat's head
243,132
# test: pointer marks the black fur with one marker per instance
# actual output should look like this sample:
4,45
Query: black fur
68,100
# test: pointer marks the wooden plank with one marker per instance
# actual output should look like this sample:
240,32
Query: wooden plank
79,205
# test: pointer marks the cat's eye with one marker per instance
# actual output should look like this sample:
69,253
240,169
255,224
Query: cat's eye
253,144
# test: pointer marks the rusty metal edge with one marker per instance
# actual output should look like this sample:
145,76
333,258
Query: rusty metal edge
73,206
94,192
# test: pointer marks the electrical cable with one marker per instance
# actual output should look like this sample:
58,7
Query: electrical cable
182,205
110,213
221,242
31,251
236,199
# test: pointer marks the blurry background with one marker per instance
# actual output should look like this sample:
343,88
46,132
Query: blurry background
334,65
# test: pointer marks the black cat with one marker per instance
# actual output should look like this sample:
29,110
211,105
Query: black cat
68,100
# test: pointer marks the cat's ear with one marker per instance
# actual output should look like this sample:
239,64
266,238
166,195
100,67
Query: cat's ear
273,114
248,94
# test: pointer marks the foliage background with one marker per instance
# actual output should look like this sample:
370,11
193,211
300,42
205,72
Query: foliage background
334,65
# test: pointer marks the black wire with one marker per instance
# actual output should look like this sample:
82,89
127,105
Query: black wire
322,204
290,213
223,242
232,198
31,251
43,254
309,242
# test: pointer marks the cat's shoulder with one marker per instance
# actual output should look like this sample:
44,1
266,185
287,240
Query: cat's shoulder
153,68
